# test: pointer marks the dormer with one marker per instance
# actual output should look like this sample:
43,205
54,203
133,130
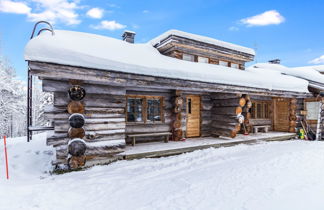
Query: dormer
196,48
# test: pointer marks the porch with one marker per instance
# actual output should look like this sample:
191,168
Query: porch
159,149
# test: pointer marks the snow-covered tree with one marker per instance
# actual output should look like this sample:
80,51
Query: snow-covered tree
12,101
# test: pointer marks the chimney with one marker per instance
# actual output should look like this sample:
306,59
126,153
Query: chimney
129,36
274,61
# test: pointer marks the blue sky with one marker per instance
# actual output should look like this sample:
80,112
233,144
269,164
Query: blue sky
292,31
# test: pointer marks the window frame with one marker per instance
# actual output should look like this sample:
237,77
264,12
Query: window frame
227,65
264,115
144,109
193,57
207,59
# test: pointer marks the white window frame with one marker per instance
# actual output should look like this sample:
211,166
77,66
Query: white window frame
188,57
203,59
222,63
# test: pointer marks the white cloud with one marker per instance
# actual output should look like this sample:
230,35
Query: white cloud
145,11
109,25
318,60
233,28
96,13
64,11
271,17
14,7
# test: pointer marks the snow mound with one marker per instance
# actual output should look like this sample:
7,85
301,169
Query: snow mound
100,52
27,160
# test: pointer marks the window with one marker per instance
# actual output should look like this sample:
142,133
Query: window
134,110
144,109
260,109
153,110
312,108
223,63
234,65
189,105
202,59
188,57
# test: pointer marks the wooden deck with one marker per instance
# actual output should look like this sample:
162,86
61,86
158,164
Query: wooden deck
159,149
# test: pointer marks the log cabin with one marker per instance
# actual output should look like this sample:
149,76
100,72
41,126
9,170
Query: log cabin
110,94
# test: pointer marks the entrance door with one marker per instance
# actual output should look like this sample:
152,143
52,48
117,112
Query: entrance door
193,116
281,115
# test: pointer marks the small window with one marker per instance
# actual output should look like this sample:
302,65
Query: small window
188,57
223,63
234,65
153,110
202,59
144,109
134,110
189,106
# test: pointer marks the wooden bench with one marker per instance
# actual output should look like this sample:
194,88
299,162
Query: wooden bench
264,127
133,136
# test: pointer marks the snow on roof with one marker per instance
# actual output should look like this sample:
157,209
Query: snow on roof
319,68
100,52
300,72
202,39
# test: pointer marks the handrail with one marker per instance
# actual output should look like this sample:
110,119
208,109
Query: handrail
43,29
45,22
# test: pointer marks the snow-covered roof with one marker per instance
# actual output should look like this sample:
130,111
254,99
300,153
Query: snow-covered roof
319,68
307,73
106,53
204,39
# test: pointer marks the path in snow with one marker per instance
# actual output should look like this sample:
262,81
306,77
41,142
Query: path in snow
275,175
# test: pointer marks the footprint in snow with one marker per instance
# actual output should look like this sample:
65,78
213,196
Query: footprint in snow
37,152
16,156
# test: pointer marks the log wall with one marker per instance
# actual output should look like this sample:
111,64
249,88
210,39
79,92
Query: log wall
104,119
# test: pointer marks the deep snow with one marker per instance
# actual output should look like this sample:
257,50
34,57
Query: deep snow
274,175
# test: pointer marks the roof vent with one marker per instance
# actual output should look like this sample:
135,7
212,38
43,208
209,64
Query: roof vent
274,61
129,36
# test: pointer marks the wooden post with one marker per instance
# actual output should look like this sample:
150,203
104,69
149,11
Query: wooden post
6,156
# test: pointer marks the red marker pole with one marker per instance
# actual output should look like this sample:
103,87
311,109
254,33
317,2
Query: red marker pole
6,156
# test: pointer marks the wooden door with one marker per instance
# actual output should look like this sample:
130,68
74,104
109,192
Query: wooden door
281,115
193,116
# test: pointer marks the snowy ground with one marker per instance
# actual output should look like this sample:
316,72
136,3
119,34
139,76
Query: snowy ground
275,175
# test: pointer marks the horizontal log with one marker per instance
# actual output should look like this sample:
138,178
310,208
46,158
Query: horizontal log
225,95
225,118
229,102
230,126
63,86
63,127
88,115
102,151
226,133
228,110
63,141
60,99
